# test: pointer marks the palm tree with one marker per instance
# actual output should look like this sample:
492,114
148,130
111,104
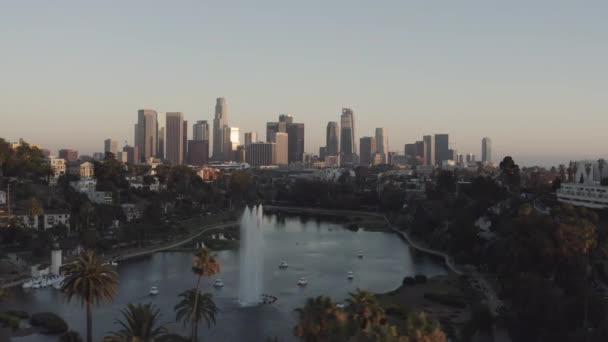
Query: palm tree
320,320
194,308
139,323
204,264
90,282
365,311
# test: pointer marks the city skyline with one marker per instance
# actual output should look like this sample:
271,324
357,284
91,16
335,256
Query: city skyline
453,71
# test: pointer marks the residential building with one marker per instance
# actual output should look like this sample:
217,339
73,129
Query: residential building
367,149
68,154
132,211
261,154
382,144
442,146
486,150
50,219
198,152
281,148
110,146
81,169
219,123
429,150
250,137
200,130
58,165
348,147
332,141
146,137
175,137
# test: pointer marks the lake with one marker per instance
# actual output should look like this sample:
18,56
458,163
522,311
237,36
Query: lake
323,252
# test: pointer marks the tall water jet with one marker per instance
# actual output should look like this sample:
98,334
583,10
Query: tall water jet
251,257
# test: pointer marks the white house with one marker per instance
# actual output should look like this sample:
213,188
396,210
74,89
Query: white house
586,190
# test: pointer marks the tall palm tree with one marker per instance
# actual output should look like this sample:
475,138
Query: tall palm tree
89,281
364,309
193,308
139,323
203,265
320,320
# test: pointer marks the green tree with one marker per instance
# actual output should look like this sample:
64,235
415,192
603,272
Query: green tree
193,308
140,323
320,320
90,282
204,264
510,174
365,311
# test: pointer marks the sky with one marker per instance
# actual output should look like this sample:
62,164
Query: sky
531,75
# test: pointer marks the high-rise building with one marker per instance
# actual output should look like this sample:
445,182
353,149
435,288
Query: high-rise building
250,138
382,144
410,150
200,130
68,154
296,141
429,150
442,142
486,150
470,158
322,153
240,155
227,149
453,155
175,137
261,154
273,127
219,123
332,142
132,154
368,147
348,147
282,148
160,153
185,141
235,138
460,159
198,152
147,133
110,146
420,149
287,118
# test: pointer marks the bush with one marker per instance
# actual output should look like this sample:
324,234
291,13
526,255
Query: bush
9,321
18,313
409,281
70,336
448,299
420,279
50,322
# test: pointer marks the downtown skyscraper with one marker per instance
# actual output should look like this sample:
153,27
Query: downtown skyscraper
486,150
146,133
442,148
368,146
220,122
382,144
200,130
348,147
332,140
175,137
429,150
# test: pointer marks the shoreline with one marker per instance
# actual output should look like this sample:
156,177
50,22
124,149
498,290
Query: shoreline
447,259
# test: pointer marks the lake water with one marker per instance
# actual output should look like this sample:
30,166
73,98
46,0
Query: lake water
322,252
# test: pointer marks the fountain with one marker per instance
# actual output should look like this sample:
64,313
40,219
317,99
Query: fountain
251,257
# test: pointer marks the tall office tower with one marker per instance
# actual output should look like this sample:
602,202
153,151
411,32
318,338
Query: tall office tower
273,127
442,142
219,123
287,118
460,159
200,130
198,152
382,144
147,133
322,153
235,138
410,150
110,146
261,153
250,138
175,137
429,150
453,155
470,158
420,149
368,148
296,142
486,150
132,154
282,148
185,141
348,147
332,142
227,149
240,155
160,152
68,154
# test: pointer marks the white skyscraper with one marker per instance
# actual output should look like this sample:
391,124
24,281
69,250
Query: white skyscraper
219,124
382,144
235,137
486,150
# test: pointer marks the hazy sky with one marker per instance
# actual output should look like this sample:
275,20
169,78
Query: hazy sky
532,75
